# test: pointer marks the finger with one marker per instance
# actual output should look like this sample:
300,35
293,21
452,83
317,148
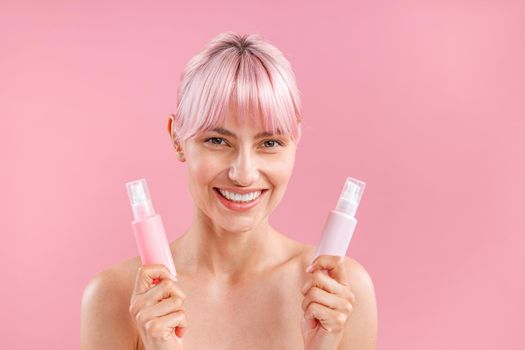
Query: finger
331,320
164,290
151,274
179,331
333,264
332,301
165,307
323,281
163,327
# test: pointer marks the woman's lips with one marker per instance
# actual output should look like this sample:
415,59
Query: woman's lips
238,206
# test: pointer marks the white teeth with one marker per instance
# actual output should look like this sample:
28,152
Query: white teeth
235,197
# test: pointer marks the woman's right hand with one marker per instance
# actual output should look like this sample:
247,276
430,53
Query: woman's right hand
156,308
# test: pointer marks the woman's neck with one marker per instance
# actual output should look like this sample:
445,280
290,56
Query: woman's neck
210,250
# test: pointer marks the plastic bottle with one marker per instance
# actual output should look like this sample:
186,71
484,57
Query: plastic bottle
148,228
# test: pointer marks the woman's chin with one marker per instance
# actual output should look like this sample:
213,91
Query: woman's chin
238,223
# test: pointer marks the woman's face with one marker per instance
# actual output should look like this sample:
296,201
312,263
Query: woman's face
233,160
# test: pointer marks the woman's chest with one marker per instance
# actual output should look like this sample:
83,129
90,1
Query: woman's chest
263,315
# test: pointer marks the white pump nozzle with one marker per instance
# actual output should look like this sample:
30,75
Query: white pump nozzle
140,199
350,196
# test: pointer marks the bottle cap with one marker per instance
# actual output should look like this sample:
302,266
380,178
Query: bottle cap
140,199
350,196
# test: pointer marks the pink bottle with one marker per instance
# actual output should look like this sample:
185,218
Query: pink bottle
148,228
341,222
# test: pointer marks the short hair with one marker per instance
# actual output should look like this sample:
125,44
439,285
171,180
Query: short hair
243,72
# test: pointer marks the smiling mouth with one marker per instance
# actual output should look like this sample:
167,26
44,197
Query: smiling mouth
239,198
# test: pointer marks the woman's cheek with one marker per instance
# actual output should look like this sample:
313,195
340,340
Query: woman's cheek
280,171
282,168
199,169
203,168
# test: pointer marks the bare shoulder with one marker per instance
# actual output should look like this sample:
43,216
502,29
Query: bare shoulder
105,320
358,275
305,252
359,278
361,327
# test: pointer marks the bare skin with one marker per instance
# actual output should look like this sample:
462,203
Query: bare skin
242,279
257,310
261,310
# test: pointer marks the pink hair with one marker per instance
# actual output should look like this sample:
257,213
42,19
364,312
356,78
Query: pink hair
243,72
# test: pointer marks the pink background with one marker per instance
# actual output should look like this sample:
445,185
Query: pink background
422,100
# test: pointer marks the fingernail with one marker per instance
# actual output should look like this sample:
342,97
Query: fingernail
173,277
179,331
309,269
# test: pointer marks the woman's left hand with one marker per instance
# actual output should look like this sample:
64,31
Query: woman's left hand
327,305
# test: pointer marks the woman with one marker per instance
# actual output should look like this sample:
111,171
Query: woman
240,283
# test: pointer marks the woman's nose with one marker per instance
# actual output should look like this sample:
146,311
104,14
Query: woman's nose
244,171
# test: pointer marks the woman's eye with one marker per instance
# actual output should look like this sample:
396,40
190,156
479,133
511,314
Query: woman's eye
219,141
272,143
214,140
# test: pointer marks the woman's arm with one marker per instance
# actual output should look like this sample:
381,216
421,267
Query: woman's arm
104,317
361,328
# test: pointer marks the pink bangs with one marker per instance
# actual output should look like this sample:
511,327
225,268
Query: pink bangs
242,73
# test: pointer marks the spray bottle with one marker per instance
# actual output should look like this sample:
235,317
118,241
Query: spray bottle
150,235
341,222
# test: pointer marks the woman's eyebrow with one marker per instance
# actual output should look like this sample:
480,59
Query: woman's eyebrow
223,131
226,132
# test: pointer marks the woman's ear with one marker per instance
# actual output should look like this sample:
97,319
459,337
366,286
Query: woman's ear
173,137
171,119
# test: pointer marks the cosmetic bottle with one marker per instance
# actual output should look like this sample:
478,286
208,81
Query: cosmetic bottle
341,221
148,228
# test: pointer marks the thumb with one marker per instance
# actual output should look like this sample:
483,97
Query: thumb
149,275
179,331
308,325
